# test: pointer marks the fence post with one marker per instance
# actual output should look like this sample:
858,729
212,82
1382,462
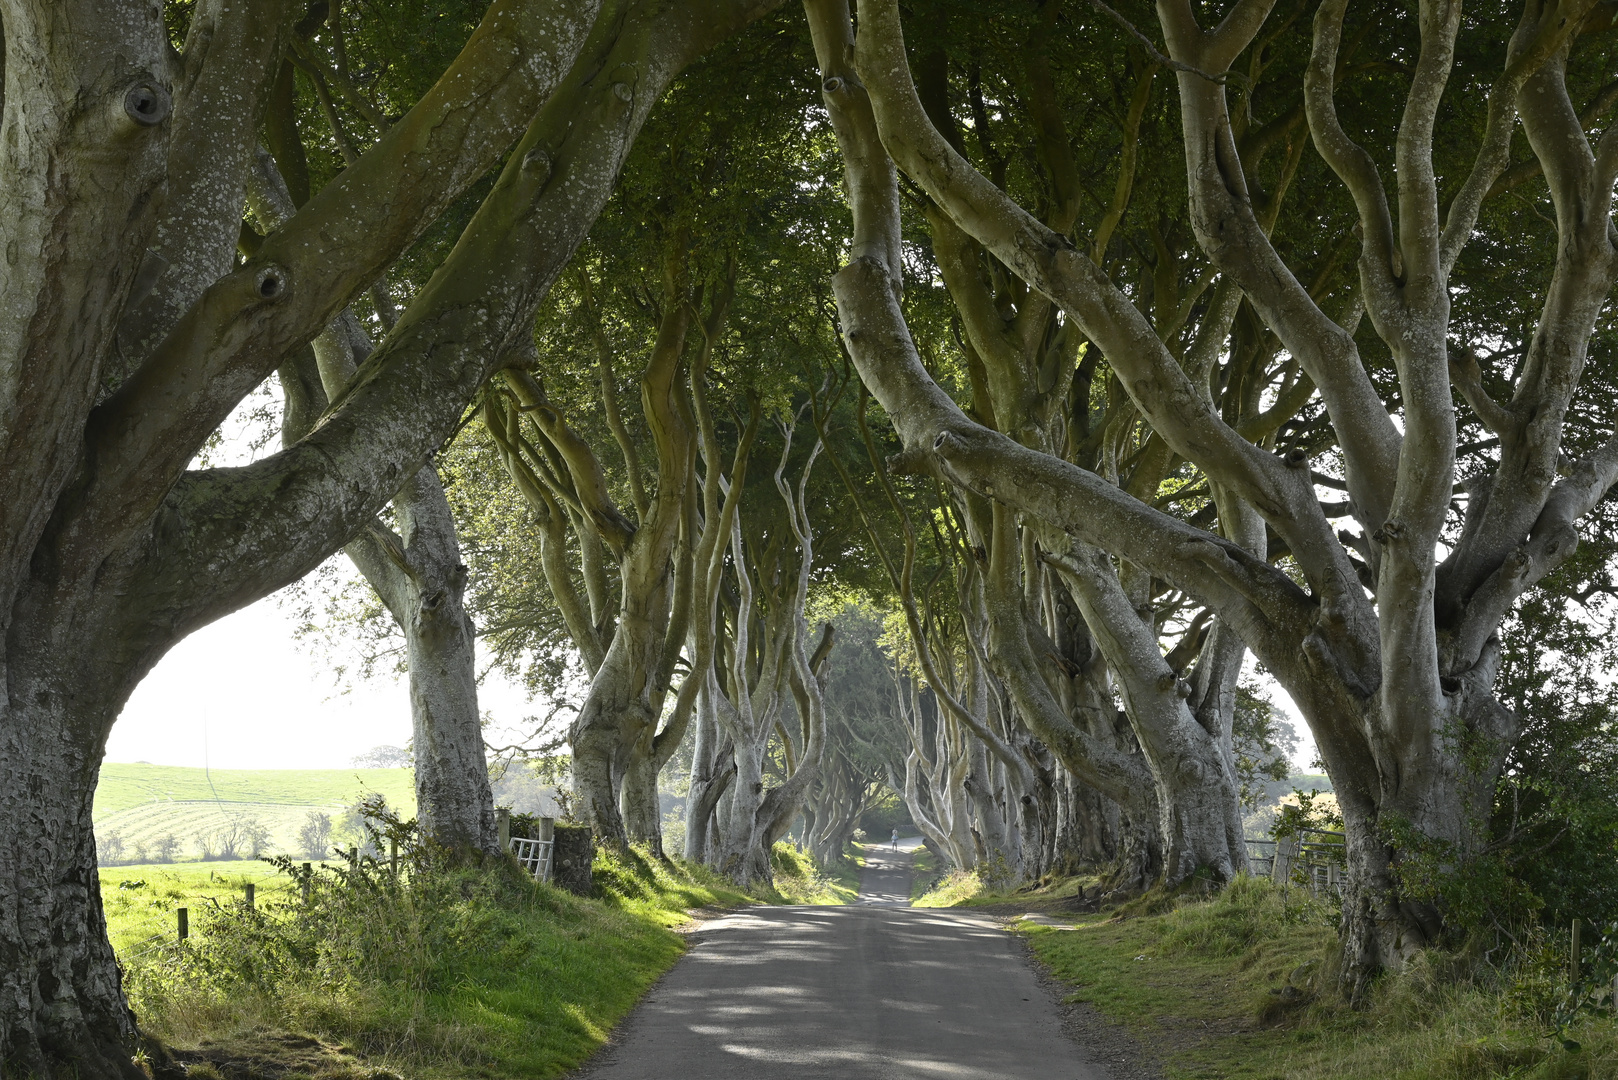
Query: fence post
1573,953
184,922
250,895
547,834
1286,850
502,822
393,857
308,876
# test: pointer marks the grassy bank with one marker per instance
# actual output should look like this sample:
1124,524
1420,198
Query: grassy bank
1239,988
932,887
441,973
800,880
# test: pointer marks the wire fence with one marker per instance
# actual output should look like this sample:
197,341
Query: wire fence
167,915
1314,860
536,855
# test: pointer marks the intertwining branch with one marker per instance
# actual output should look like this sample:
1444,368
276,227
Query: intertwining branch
1388,653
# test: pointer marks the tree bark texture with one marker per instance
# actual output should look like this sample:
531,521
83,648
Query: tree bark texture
111,548
1394,683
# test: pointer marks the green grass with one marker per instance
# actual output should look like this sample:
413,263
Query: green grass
929,888
926,880
140,901
799,880
142,803
845,873
124,786
842,878
1239,988
958,888
445,975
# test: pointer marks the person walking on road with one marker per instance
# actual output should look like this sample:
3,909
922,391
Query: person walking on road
895,839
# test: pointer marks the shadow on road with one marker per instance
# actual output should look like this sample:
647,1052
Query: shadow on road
886,877
873,991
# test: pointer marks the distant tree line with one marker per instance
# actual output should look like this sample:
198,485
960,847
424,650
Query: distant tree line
238,836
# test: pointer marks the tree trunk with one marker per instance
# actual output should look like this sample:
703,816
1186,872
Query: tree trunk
420,579
453,800
712,771
1442,806
1089,830
1199,815
62,1010
621,708
638,798
422,582
742,856
830,835
998,829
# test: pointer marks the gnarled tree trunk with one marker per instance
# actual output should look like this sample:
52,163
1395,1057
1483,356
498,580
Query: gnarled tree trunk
112,548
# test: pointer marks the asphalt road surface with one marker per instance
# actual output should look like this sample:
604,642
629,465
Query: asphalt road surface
877,990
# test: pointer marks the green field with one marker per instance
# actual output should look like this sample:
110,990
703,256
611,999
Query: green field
140,901
142,803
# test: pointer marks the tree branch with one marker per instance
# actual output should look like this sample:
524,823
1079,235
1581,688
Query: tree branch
1530,46
1380,263
1155,380
609,395
335,246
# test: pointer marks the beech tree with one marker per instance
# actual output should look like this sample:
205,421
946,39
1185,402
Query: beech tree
1389,649
1063,639
123,170
618,747
418,576
362,87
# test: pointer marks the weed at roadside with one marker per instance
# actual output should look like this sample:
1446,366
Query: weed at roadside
438,970
1240,987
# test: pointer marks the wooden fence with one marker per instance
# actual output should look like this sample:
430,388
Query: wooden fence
1316,856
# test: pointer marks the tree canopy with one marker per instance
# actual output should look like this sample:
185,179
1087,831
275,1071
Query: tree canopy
952,401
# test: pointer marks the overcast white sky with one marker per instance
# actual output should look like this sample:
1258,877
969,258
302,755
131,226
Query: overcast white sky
242,694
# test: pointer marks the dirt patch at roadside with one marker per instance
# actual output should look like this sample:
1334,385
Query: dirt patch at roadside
262,1054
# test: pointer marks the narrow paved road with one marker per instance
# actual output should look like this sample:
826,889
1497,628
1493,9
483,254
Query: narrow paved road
874,991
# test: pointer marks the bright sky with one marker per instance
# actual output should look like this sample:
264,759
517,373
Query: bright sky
243,694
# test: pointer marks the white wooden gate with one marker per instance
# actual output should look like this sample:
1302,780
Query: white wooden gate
535,856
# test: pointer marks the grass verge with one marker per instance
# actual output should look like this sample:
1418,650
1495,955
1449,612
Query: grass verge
924,879
801,880
439,972
1238,988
